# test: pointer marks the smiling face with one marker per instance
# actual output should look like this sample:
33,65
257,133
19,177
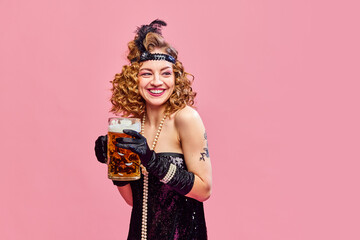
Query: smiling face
156,82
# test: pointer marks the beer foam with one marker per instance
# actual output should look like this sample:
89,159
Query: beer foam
115,126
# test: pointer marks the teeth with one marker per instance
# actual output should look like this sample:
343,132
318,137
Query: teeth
156,91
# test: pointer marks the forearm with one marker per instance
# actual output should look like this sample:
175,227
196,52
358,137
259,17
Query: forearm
126,193
168,173
190,185
181,180
201,190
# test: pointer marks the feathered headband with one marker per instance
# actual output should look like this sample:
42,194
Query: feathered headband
141,32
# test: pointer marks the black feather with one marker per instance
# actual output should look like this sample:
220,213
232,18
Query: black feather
141,32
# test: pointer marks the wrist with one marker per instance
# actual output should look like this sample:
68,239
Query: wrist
157,166
148,158
120,183
169,174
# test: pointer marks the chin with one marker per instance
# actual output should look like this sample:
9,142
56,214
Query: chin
156,102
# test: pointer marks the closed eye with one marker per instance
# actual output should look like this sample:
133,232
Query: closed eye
145,74
167,73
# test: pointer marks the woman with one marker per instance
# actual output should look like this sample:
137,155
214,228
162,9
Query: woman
176,179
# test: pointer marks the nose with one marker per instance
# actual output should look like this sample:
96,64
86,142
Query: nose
156,81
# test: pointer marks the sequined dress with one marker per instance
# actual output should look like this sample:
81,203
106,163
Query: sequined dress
170,215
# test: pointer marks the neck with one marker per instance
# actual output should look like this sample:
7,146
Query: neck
154,115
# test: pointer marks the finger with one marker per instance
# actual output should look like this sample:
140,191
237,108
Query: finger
101,139
101,144
101,157
129,140
125,146
132,133
101,154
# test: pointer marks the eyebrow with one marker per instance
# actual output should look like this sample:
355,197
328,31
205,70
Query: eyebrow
148,69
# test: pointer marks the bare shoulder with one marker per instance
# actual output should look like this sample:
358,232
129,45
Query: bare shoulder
188,123
186,116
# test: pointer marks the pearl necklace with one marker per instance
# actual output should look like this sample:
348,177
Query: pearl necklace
146,177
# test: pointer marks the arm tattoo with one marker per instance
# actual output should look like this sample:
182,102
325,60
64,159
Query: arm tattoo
206,150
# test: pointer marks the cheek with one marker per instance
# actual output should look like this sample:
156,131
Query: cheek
142,83
141,86
171,83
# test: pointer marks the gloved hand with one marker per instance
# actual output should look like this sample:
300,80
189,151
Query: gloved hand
101,155
138,145
179,179
101,149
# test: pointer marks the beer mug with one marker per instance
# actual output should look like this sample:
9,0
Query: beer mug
123,164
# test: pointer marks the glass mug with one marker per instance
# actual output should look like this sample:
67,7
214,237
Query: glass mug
123,164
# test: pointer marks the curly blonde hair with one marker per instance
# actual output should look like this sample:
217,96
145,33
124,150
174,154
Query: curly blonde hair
126,99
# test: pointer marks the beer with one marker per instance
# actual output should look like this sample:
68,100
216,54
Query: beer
123,164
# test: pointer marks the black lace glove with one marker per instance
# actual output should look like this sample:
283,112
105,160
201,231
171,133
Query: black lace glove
181,180
101,155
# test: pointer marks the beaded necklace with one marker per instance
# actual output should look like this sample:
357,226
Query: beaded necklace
146,177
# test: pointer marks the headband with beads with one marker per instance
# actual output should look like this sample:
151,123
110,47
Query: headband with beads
155,27
145,56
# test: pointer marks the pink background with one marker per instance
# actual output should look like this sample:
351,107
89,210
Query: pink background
278,91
